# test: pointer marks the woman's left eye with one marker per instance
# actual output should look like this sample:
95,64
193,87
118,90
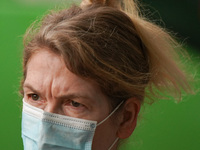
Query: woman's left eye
75,104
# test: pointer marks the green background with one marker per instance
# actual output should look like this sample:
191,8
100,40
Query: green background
164,125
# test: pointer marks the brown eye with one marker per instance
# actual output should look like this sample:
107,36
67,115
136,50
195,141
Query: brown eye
35,97
75,104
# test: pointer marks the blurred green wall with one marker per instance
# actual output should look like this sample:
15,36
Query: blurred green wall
164,125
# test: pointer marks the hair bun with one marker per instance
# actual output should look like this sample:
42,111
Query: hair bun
111,3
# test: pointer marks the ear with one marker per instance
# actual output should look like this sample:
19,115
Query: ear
128,119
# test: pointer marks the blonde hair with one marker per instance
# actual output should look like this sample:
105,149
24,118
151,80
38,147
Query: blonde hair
109,42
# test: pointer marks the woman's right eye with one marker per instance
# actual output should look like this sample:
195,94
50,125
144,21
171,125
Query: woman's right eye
34,97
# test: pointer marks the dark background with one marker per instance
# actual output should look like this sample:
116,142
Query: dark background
180,16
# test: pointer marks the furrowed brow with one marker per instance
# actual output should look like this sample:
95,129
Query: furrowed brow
29,86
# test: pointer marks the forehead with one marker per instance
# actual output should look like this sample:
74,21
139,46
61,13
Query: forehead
44,59
47,73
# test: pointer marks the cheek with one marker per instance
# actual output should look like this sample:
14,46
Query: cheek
105,135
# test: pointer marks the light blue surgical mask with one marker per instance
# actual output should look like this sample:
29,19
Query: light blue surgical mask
48,131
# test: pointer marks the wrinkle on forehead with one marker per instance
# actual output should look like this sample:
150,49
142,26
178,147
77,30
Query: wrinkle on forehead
47,72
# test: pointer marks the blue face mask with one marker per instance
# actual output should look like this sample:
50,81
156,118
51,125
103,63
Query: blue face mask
48,131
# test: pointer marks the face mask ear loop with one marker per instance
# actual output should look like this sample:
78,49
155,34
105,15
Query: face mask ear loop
110,114
113,143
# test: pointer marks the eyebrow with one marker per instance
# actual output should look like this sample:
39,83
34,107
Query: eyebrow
26,85
61,97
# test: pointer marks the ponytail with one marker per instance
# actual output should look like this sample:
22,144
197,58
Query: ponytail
163,51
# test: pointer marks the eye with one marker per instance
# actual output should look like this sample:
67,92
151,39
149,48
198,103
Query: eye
75,104
74,108
34,97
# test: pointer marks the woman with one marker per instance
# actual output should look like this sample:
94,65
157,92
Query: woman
87,71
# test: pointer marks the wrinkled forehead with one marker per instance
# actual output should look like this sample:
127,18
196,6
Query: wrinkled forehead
46,70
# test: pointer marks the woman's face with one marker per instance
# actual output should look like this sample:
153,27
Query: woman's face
49,85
